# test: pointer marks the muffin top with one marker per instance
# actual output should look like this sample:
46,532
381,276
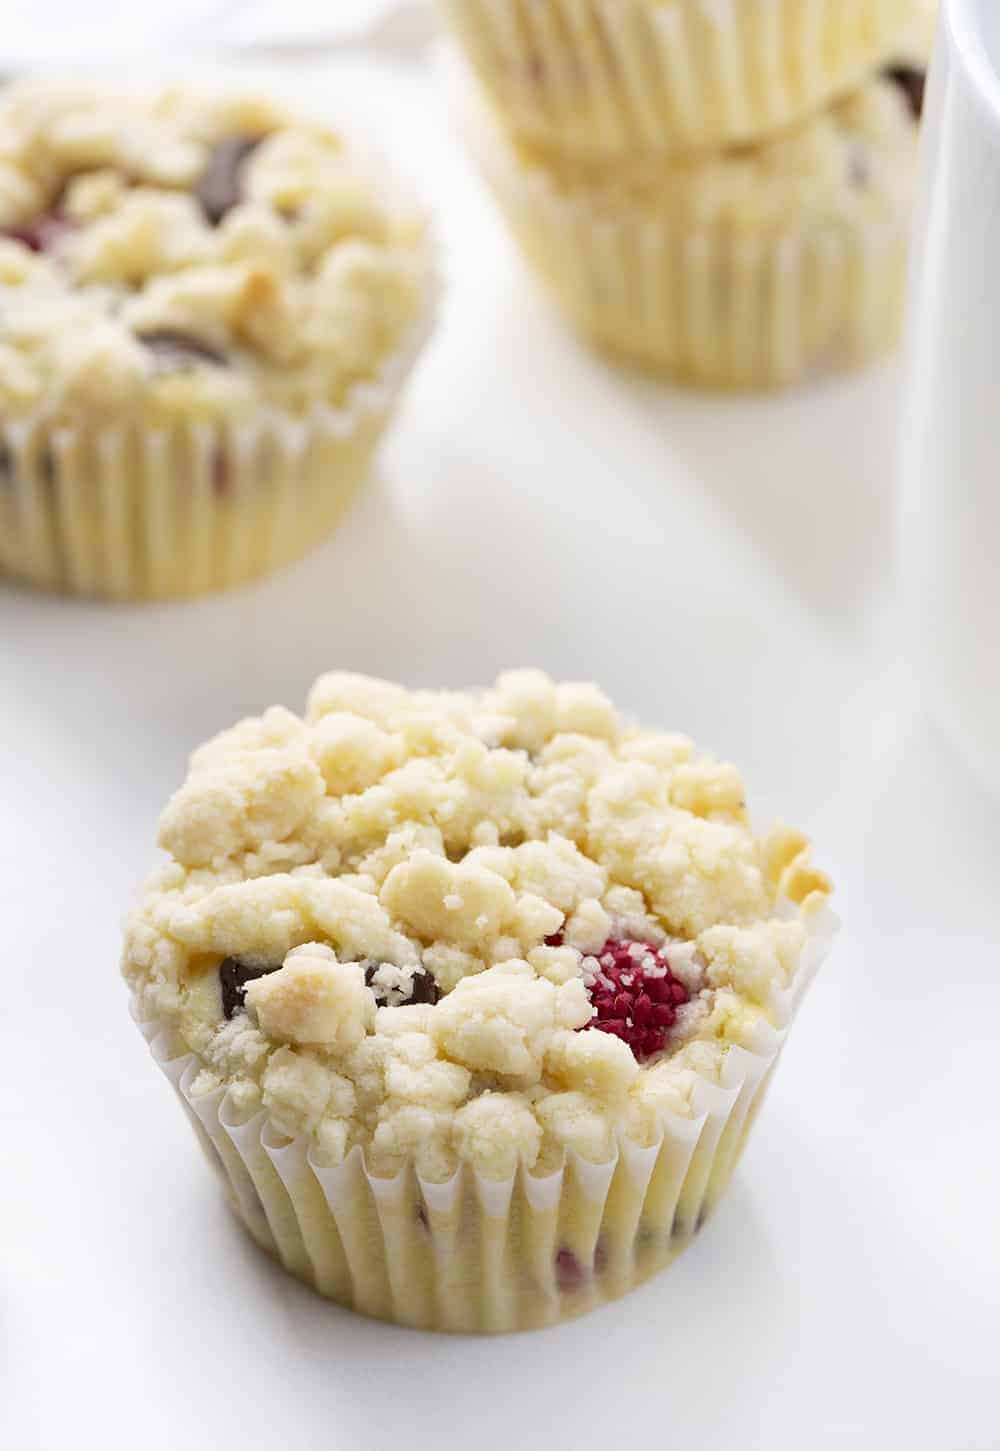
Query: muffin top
175,255
854,161
445,926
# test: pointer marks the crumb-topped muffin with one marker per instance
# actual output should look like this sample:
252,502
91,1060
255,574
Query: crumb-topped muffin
745,267
200,296
422,934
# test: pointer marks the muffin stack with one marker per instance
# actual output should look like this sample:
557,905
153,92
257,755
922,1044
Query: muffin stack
716,189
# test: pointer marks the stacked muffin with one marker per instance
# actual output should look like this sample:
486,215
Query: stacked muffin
716,189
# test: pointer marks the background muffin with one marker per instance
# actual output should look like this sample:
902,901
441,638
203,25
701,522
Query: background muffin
602,80
206,310
495,975
741,268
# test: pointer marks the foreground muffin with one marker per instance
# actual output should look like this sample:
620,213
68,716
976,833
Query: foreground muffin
206,311
597,79
472,998
750,267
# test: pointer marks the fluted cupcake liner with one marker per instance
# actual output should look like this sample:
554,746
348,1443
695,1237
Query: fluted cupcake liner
480,1255
706,303
132,512
600,77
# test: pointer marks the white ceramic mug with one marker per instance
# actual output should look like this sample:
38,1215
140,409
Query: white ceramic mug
950,536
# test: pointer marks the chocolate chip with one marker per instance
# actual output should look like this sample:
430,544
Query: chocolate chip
41,233
233,978
174,350
6,466
220,189
913,83
222,478
423,989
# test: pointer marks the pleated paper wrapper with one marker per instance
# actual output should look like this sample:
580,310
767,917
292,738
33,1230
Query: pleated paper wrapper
480,1255
132,513
123,511
710,305
607,77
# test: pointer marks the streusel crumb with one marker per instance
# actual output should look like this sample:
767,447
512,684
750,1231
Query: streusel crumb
177,255
446,926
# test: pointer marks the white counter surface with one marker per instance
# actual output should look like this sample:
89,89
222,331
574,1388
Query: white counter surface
722,567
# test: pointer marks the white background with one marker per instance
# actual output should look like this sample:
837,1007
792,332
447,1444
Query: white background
722,567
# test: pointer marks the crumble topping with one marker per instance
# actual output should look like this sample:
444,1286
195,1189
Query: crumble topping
178,255
453,926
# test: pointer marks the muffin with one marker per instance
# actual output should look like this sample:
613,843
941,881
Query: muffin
746,268
206,311
471,998
604,78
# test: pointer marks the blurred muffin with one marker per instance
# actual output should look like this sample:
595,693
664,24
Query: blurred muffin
206,311
472,997
599,79
744,268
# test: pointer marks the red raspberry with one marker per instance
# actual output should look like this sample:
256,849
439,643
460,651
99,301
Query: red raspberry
41,233
635,995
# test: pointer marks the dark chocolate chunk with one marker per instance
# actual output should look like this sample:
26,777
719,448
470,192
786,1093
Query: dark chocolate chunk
220,188
912,82
222,478
233,978
423,989
174,350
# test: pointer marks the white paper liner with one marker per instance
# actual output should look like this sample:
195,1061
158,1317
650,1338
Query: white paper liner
127,512
709,305
604,77
475,1254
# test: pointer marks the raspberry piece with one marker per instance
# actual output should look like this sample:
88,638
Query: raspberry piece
569,1271
635,996
913,83
41,233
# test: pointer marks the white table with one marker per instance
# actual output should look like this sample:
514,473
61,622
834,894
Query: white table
723,567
